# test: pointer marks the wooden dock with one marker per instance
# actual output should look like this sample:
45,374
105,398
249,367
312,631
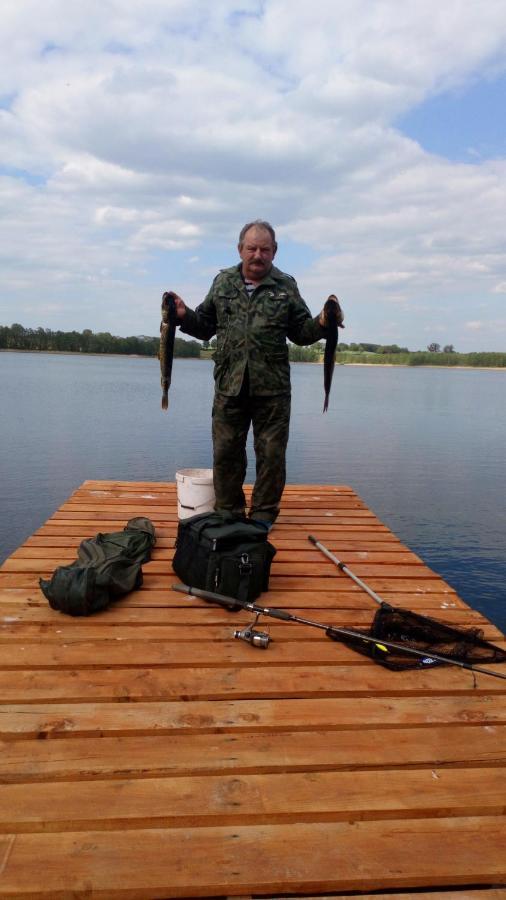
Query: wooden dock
147,754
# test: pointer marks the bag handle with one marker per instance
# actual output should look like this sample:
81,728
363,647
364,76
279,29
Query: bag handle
245,569
214,520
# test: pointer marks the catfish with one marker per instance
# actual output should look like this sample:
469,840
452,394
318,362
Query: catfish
167,335
333,316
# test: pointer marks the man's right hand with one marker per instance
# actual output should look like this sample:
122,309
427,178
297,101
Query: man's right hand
180,305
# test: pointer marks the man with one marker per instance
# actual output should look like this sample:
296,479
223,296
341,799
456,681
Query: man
252,308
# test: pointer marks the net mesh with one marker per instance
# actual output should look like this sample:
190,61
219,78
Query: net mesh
422,633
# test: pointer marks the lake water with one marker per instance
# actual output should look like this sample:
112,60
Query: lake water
424,448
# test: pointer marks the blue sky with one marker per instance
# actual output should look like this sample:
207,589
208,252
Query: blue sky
136,141
466,124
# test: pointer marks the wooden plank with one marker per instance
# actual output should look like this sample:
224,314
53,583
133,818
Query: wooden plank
465,894
97,654
45,630
151,863
303,503
67,552
382,586
330,531
172,717
118,484
356,547
150,756
192,611
42,565
279,582
106,508
286,562
28,600
189,682
202,801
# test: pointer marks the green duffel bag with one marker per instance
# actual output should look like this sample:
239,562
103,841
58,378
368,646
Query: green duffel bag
217,552
108,566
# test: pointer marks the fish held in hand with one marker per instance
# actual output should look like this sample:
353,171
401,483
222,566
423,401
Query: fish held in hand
167,335
333,317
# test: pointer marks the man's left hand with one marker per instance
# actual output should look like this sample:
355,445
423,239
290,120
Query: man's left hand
340,316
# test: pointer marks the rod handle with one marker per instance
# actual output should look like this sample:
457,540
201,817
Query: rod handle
222,599
278,613
311,538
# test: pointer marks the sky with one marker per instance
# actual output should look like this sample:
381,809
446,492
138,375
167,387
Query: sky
136,138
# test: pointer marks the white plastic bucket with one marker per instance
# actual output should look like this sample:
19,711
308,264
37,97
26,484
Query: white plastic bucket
195,492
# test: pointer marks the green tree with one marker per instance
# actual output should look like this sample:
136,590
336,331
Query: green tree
304,354
369,348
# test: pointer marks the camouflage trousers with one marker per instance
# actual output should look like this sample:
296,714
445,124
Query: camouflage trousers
232,417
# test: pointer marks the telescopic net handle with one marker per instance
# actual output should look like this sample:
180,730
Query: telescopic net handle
344,568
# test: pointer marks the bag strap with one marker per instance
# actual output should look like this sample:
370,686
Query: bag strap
245,569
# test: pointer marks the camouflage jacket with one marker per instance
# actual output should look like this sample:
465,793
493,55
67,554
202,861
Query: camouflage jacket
251,331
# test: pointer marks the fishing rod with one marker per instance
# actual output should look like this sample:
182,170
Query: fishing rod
262,639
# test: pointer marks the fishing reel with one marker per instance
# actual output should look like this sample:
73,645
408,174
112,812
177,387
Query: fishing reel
252,636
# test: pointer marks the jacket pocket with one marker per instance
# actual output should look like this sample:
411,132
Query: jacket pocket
221,366
224,303
279,370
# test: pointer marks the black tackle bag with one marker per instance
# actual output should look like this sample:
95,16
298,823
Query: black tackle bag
218,552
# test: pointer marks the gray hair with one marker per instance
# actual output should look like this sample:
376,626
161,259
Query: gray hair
258,223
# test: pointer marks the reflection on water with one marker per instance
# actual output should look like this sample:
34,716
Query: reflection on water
423,447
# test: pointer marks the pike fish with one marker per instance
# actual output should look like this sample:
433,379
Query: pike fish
333,318
167,335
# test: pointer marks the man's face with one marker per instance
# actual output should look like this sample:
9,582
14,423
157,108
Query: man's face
257,252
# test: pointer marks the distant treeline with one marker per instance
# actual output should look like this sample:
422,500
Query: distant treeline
346,353
16,337
391,354
426,358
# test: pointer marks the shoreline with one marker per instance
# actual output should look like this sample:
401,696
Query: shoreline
294,362
423,366
79,353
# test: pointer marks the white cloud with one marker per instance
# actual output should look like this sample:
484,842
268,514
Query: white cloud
173,235
114,215
132,130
